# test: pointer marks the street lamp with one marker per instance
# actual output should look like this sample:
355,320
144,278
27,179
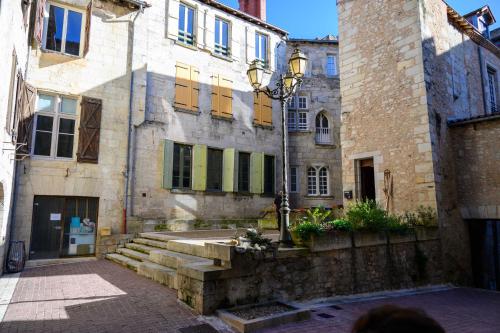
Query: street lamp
285,89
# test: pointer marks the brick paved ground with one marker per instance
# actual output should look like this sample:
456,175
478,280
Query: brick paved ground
96,296
100,296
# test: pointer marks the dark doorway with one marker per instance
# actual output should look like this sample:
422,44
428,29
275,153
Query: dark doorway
367,179
63,226
485,253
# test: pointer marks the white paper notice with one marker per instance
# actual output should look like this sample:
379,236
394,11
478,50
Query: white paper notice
55,217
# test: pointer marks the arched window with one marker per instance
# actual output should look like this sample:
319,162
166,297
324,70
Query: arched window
317,181
322,129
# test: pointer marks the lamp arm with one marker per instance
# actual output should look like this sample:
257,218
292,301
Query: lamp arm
278,94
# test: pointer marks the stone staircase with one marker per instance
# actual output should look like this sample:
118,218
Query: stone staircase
158,256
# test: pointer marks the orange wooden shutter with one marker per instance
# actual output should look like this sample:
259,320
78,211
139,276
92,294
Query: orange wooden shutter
182,86
215,95
257,110
226,97
266,105
195,88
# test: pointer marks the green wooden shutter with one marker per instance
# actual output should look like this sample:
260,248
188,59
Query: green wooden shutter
199,167
168,159
228,164
257,173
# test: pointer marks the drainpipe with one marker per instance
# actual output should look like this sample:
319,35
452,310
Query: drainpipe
129,133
481,70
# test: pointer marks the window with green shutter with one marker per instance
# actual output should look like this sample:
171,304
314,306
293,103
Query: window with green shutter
214,170
181,171
243,172
269,174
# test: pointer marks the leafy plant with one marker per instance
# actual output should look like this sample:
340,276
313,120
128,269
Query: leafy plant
317,215
306,229
255,237
366,215
339,224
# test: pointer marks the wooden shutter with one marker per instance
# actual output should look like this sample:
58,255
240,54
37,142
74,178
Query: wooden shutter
89,131
215,95
257,173
25,110
39,16
168,163
228,166
195,88
200,167
226,97
266,105
88,20
182,86
257,110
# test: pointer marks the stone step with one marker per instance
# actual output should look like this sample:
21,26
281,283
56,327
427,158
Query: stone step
136,255
123,260
174,259
158,273
188,246
162,237
152,243
140,248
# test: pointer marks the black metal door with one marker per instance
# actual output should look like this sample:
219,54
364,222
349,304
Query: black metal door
47,227
485,253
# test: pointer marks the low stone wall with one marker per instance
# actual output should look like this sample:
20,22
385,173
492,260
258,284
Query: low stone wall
299,274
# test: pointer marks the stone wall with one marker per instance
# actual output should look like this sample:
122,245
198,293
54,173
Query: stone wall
299,274
477,165
323,94
161,120
13,31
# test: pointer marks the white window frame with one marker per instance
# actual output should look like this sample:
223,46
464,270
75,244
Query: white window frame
303,99
292,103
184,39
302,121
264,58
317,181
65,26
56,115
492,79
294,172
331,67
219,48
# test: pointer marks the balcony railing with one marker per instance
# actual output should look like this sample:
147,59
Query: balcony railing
323,135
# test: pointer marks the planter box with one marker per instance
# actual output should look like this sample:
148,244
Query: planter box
427,233
365,238
395,238
332,240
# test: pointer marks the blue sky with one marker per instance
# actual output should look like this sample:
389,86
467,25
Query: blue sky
321,19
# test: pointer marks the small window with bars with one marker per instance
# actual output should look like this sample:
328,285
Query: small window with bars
186,24
221,37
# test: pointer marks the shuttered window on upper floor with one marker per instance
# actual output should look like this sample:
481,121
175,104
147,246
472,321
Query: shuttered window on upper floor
263,110
186,87
222,96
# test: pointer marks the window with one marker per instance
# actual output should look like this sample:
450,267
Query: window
54,126
294,179
492,88
292,120
186,24
243,172
317,181
214,170
331,65
292,103
269,175
302,126
181,171
63,30
302,102
322,129
221,37
261,48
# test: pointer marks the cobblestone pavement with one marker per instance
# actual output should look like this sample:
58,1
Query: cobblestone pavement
100,296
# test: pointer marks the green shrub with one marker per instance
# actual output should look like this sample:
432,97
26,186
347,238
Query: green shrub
366,215
396,225
317,215
306,229
339,224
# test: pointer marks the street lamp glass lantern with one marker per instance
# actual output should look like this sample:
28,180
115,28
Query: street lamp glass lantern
255,74
298,63
290,81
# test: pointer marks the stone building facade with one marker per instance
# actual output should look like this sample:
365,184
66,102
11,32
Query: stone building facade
14,26
314,128
402,80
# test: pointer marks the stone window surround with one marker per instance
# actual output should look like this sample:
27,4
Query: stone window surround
318,167
377,170
491,68
66,8
297,179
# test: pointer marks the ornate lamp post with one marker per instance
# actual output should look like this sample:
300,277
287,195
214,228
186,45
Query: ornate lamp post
285,89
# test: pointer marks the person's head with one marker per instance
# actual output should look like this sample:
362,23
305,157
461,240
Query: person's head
394,319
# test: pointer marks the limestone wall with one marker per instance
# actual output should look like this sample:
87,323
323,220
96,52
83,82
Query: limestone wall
103,73
13,30
323,94
160,120
384,102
